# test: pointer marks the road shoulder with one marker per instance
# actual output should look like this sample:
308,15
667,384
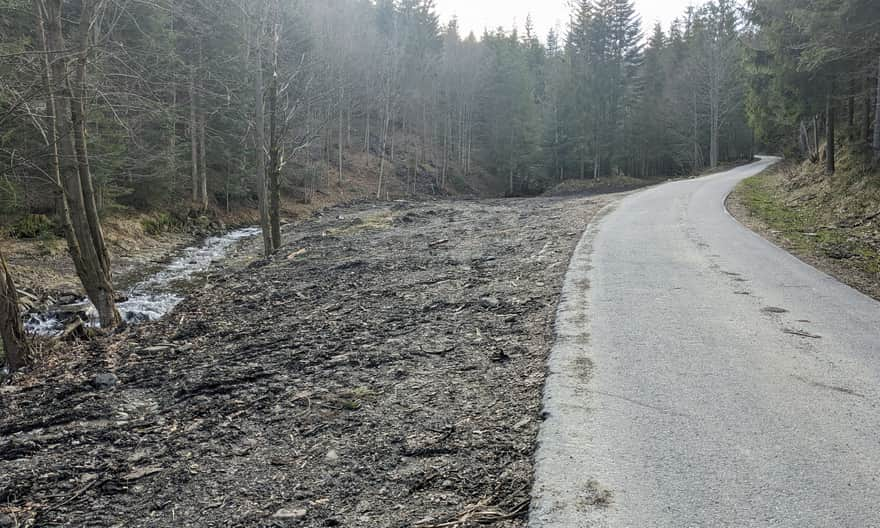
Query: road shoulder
562,495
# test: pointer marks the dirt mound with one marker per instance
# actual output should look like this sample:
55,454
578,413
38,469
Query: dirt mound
590,187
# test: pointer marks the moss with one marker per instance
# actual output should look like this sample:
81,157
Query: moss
813,218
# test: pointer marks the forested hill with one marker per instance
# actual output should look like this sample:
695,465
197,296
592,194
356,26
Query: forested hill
170,97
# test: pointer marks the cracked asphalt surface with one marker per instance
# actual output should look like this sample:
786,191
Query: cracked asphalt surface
715,380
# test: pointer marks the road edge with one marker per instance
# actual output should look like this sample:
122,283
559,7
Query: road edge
761,229
559,494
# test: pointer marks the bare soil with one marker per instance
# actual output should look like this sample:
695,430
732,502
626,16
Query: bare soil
385,369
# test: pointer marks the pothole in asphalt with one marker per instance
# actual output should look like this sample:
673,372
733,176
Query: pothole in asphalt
774,310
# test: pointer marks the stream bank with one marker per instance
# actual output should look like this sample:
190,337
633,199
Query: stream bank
385,369
146,300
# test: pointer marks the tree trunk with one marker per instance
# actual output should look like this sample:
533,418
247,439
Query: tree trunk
339,146
866,123
260,139
274,146
384,144
203,164
194,134
62,208
876,142
851,110
829,131
78,117
85,238
367,136
15,344
695,138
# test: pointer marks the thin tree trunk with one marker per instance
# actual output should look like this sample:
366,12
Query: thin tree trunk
15,344
172,135
695,138
445,154
866,124
384,144
467,163
851,110
260,139
194,134
203,164
367,136
274,143
876,142
829,131
803,142
339,146
62,209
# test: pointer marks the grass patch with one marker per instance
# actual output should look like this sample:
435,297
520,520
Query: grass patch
158,223
811,219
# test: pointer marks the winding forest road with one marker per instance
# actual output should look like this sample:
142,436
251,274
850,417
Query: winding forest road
707,378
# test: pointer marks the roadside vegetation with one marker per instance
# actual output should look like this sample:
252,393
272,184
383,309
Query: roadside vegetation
830,221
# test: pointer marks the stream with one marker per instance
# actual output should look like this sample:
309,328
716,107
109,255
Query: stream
150,298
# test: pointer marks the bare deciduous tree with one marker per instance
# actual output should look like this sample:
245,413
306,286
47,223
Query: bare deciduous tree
67,96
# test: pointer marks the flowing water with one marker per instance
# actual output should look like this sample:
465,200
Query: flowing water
152,297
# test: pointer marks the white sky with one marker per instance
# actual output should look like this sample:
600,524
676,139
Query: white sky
475,15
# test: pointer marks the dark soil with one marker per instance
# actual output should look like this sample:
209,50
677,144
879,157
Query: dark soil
384,370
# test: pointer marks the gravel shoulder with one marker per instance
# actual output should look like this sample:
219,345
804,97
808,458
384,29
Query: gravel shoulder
385,369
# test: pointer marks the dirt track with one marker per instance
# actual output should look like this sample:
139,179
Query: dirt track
384,370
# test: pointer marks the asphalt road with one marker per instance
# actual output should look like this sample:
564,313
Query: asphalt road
707,378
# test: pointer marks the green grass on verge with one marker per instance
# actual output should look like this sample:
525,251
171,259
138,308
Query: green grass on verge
807,223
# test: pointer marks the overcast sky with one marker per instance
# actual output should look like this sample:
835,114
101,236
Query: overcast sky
475,15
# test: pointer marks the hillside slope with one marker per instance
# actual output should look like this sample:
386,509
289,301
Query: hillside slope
830,221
